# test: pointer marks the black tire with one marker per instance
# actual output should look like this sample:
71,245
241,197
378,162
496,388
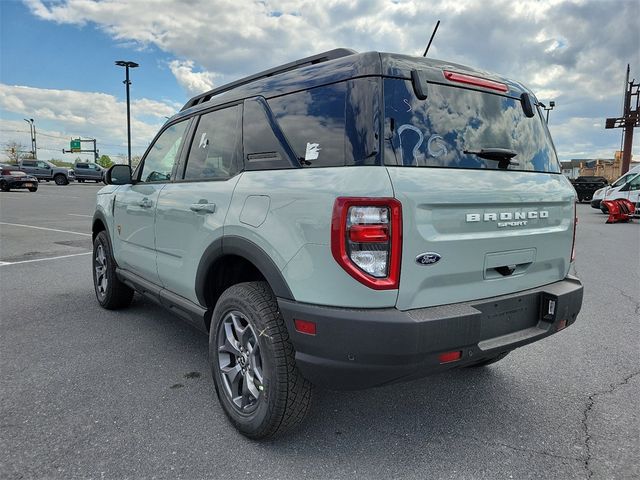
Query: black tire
488,361
4,186
111,293
60,179
33,189
283,394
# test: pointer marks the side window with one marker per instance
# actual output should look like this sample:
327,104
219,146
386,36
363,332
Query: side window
214,148
621,181
28,163
313,121
263,149
160,159
82,165
42,165
635,184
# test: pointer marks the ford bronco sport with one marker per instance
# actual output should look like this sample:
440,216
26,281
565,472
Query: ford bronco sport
346,220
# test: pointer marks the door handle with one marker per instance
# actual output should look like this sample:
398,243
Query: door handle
145,203
203,207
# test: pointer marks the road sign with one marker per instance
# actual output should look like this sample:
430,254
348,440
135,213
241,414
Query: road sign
75,145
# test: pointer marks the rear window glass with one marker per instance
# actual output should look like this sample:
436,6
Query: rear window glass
436,132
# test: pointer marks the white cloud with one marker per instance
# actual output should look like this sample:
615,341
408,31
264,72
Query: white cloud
193,82
574,52
62,114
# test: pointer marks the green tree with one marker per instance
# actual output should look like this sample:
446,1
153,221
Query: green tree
105,161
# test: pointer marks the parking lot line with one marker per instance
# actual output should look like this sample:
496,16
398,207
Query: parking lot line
79,215
7,196
45,228
3,264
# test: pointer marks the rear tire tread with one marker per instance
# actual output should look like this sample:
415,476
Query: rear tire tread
294,391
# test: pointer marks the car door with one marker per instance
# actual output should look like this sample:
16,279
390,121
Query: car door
29,167
191,211
43,170
80,171
95,172
135,205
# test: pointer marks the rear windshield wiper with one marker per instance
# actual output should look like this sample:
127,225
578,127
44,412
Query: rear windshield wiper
501,155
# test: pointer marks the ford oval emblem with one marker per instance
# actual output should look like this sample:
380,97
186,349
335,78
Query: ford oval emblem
428,258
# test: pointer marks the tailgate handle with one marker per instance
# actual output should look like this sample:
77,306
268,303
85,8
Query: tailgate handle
508,270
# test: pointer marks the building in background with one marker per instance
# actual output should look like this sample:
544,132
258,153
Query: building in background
609,168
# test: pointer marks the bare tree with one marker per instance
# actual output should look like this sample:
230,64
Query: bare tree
15,151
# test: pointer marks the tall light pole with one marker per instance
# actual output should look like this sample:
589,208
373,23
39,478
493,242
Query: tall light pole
127,66
552,104
32,129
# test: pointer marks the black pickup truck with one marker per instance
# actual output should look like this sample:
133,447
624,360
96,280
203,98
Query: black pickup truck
586,186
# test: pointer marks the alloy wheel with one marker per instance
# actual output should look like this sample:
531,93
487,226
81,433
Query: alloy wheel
240,362
100,267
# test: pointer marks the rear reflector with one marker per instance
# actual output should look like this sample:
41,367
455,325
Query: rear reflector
305,326
450,356
476,81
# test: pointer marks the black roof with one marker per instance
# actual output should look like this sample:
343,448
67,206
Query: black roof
334,66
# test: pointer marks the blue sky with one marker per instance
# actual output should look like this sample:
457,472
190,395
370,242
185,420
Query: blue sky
57,57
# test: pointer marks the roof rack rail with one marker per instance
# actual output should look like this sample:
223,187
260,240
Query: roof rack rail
312,60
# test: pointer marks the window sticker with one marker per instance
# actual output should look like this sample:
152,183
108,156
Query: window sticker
313,151
204,141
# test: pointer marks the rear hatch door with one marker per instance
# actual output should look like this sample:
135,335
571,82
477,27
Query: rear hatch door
475,225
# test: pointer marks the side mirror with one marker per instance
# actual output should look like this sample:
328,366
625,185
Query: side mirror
118,175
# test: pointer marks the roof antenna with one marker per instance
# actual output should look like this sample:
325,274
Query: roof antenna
431,39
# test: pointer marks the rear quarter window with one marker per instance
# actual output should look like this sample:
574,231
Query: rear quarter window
313,121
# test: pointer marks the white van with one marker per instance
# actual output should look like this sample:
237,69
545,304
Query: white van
600,194
630,190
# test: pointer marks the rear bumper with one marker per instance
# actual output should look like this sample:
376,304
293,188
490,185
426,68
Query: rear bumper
356,349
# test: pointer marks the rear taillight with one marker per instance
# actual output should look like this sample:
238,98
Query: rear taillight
575,224
366,239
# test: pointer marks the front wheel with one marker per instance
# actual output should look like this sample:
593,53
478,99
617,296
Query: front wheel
110,291
253,364
4,186
33,189
60,179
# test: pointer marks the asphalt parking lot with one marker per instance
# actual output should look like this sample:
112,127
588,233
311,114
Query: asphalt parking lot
88,393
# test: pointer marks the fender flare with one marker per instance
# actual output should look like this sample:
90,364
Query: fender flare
99,215
234,245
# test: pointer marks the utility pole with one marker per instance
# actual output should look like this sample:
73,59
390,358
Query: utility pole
629,120
127,65
32,129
